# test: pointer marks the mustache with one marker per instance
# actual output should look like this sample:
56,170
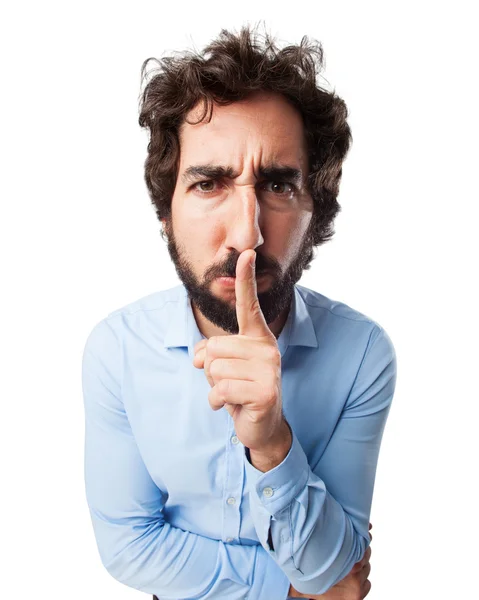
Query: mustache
228,269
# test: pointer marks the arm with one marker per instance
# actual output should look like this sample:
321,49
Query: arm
316,517
136,545
355,585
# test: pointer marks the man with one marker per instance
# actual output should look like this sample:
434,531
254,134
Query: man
271,497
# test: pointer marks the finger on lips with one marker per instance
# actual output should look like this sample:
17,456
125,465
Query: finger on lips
251,322
229,357
250,317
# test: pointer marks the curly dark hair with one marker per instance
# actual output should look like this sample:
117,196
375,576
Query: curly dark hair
227,70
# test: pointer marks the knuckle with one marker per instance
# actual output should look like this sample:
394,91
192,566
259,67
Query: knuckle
218,394
211,344
274,355
256,416
355,590
215,368
365,559
213,397
268,396
224,388
357,567
254,307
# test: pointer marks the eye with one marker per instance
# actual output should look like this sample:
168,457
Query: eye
279,187
205,187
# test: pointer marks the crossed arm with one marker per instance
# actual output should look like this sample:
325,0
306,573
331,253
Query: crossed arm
329,524
355,586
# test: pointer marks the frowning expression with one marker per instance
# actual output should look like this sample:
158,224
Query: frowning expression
241,184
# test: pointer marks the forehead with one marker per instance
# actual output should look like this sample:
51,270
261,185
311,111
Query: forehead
263,128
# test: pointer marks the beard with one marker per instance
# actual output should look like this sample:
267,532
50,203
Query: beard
220,312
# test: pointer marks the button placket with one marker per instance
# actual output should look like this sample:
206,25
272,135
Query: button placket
233,485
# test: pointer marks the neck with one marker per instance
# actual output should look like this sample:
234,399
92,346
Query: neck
208,329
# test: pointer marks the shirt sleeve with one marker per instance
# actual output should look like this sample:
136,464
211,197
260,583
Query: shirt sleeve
317,517
136,545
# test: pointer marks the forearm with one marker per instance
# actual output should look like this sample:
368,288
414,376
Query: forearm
301,525
314,520
172,563
143,551
137,545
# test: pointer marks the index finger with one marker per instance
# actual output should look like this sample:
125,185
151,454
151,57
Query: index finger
251,321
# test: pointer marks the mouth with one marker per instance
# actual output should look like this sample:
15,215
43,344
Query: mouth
230,281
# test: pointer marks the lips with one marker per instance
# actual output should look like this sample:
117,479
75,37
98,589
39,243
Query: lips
230,281
234,276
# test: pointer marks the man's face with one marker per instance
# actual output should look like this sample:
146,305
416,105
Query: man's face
241,185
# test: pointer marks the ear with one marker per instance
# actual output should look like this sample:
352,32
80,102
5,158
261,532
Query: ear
164,229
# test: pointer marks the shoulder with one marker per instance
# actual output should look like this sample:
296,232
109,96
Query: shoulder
352,341
144,313
315,301
151,302
336,320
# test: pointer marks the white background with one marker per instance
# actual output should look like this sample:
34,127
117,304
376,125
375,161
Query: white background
79,238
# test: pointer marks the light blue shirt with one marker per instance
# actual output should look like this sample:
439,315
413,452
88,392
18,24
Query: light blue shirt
177,508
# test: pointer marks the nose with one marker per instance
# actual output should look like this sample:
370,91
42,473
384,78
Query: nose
244,220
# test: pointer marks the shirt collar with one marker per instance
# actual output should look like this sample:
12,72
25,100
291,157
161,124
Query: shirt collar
183,330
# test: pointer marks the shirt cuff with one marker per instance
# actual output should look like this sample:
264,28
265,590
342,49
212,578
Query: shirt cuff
276,489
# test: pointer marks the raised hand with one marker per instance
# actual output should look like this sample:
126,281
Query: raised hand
244,370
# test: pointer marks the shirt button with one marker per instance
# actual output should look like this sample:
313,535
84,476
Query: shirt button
268,492
229,539
231,500
234,440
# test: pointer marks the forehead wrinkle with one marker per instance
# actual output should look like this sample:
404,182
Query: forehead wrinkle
269,150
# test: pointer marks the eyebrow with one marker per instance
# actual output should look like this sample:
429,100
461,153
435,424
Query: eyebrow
271,172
